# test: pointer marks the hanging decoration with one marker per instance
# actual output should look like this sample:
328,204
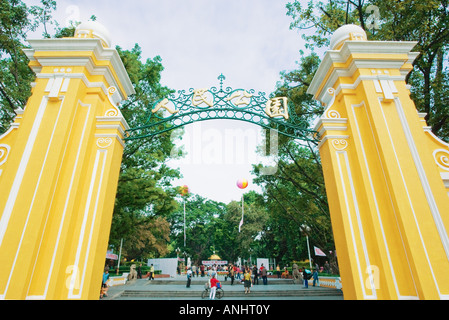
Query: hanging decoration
184,190
242,183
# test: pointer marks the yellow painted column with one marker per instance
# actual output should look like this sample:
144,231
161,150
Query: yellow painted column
386,174
59,165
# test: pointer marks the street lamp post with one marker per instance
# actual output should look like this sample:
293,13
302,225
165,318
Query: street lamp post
119,255
306,230
185,260
184,222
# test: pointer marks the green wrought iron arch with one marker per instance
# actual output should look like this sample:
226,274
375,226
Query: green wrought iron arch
218,103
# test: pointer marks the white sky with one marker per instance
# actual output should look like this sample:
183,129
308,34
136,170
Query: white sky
249,41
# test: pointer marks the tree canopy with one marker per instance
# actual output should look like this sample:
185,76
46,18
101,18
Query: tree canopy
424,21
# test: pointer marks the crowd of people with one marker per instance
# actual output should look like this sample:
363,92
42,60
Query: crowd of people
246,274
250,275
228,271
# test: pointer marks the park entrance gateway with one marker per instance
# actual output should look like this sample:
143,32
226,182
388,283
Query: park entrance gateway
386,175
218,103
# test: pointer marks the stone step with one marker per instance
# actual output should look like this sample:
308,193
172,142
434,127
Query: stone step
202,281
234,293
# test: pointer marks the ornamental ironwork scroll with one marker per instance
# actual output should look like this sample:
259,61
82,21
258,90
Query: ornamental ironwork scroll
202,104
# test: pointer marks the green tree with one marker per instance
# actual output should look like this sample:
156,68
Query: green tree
16,20
295,197
424,21
201,220
144,194
148,240
253,229
213,226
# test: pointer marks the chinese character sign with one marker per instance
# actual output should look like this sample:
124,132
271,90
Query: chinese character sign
277,107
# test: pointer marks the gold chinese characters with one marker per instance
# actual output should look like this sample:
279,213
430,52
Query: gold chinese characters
199,97
277,107
163,105
240,97
274,107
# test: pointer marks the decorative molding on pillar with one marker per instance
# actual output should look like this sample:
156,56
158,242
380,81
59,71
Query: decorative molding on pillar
103,142
4,152
355,55
441,157
90,54
339,144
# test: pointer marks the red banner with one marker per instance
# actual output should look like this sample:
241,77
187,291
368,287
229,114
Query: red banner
319,252
111,256
212,262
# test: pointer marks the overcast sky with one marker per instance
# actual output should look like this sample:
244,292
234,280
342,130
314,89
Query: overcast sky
249,41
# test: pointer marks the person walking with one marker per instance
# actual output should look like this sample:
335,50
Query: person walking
213,287
237,272
139,271
231,273
255,274
278,271
247,280
315,277
327,267
105,283
202,270
306,278
263,273
151,272
189,277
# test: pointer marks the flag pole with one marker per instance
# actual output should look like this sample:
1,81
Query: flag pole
184,222
241,221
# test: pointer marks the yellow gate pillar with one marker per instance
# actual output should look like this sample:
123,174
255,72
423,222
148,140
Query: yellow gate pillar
386,174
59,167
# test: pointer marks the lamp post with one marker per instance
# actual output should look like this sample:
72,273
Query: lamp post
184,192
119,256
184,222
306,230
185,260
